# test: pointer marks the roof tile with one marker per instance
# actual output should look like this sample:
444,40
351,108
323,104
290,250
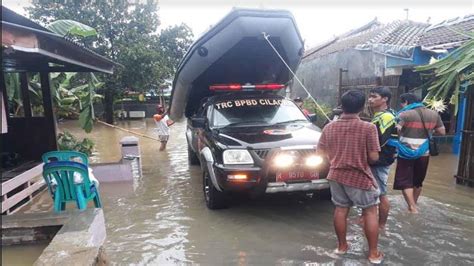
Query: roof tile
447,34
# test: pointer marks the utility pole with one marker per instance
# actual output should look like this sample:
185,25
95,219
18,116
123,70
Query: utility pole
407,10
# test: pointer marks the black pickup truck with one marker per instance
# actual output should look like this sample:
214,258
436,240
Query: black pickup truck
254,142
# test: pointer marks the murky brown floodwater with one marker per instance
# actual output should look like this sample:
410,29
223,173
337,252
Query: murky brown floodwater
24,255
162,218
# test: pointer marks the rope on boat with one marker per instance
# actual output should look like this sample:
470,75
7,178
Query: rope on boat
294,75
126,130
281,58
121,128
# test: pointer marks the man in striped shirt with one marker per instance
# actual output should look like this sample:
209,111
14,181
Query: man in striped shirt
410,174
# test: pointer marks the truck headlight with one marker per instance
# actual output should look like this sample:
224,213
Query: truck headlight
313,161
237,157
283,160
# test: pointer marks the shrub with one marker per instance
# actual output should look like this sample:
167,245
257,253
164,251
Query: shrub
312,108
67,141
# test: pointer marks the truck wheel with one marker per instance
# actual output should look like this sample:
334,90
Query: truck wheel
192,157
214,198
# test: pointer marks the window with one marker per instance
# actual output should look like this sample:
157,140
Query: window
15,97
249,112
36,96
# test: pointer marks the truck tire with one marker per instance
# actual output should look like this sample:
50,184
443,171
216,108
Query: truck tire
214,198
192,157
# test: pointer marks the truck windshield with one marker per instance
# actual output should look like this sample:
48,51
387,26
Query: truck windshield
248,112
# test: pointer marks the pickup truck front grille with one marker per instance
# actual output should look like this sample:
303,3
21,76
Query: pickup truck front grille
306,152
302,153
262,153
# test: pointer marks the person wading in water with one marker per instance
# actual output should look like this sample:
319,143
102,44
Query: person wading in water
163,123
351,144
384,120
416,124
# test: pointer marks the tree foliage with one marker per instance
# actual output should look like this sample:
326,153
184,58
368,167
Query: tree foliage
174,43
128,34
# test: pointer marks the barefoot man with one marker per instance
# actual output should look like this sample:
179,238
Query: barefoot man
416,122
351,144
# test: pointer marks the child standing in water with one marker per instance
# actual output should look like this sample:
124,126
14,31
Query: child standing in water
163,123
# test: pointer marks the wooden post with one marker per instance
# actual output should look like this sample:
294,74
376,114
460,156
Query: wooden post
25,93
465,174
50,119
3,94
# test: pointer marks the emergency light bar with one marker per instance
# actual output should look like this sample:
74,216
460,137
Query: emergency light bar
247,87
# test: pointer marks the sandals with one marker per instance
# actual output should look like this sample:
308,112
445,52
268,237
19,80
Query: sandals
377,260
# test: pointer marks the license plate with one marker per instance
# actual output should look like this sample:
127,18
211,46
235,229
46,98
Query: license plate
296,175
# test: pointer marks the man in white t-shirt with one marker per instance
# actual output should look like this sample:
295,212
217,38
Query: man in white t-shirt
163,123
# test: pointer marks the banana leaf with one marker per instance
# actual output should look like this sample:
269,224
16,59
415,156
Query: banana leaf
455,97
69,100
87,117
67,27
446,74
85,120
79,88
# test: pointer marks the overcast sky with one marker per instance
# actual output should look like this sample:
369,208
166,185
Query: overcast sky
317,20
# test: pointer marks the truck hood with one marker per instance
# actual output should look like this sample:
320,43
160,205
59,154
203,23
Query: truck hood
268,137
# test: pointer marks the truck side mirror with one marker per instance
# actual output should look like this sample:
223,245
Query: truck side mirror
312,118
198,122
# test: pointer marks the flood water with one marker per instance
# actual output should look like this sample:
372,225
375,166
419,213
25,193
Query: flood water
23,255
162,218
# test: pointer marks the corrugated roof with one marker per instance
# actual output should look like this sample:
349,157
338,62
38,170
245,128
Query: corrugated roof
447,34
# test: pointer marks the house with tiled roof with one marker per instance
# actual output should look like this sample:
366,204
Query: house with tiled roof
377,54
448,34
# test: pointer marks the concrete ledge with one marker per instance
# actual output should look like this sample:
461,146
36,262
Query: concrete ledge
31,228
112,172
76,237
78,242
127,169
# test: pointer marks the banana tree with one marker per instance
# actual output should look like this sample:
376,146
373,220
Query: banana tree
83,95
445,76
87,94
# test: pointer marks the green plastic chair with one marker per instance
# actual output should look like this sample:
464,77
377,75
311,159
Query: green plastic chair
54,156
66,190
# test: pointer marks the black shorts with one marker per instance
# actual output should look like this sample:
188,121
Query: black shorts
410,173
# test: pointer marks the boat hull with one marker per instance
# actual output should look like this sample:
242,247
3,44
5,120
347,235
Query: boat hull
235,51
